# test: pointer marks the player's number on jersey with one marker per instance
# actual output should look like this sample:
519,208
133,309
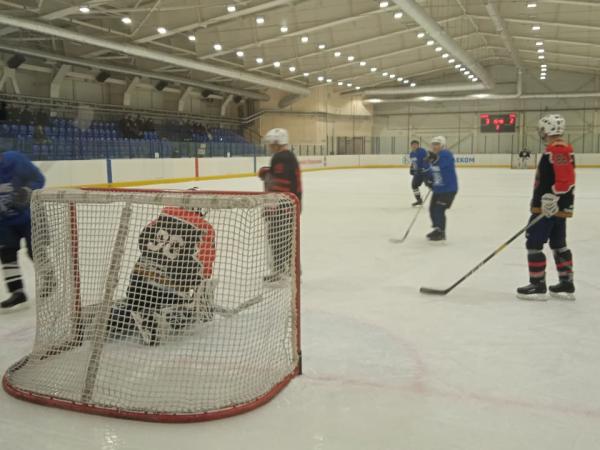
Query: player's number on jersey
169,245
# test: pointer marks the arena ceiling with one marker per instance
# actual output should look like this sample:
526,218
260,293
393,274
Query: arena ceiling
293,45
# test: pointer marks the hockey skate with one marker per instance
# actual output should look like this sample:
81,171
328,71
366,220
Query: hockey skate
437,235
533,292
419,202
17,301
564,290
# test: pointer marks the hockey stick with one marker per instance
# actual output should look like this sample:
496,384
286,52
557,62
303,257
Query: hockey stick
229,312
400,241
430,291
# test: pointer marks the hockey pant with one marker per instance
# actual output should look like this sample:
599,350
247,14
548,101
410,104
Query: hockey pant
553,230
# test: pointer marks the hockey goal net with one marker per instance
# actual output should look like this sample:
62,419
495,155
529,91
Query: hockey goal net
519,162
162,305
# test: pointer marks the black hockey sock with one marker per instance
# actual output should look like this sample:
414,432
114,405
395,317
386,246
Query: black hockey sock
11,270
417,194
564,264
537,266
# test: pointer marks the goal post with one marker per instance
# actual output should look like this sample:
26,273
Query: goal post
167,306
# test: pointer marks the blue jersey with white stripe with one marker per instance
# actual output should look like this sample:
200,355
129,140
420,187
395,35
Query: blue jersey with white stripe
443,173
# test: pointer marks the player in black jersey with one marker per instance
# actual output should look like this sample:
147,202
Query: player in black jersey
553,197
283,175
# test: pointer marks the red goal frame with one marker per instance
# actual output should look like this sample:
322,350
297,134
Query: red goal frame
162,417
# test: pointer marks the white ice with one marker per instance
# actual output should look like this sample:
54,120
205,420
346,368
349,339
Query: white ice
384,366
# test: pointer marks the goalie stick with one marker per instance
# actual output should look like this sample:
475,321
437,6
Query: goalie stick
229,312
400,241
431,291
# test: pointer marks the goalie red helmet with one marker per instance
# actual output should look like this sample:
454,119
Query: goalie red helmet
551,125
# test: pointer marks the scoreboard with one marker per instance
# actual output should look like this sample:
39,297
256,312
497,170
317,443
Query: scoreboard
498,123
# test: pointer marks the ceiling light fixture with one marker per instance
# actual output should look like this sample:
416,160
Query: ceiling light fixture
329,80
398,15
406,81
420,35
541,57
357,88
239,54
126,20
218,47
413,84
438,49
161,30
84,9
337,54
451,61
445,55
231,8
363,63
321,46
392,76
475,79
532,5
350,58
385,74
304,39
430,42
399,79
462,69
320,78
467,73
260,20
192,37
427,98
284,29
457,66
536,28
340,83
277,64
539,43
306,74
373,69
292,69
259,60
349,84
384,4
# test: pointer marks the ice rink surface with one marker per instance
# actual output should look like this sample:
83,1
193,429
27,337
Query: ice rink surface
384,366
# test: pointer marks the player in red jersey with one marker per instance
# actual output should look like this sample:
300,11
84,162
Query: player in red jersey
553,196
283,175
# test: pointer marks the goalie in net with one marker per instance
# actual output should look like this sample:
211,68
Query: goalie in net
170,286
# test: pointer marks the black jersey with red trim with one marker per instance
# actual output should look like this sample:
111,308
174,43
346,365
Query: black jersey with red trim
177,249
285,174
556,174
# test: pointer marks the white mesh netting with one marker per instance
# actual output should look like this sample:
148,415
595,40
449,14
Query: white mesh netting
172,305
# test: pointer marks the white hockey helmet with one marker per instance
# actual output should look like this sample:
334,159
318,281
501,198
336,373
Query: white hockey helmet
278,136
439,140
551,125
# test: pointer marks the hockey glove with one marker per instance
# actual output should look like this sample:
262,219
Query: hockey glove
22,197
429,182
263,171
550,204
432,157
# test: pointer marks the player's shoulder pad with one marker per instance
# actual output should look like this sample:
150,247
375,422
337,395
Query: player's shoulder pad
190,217
559,151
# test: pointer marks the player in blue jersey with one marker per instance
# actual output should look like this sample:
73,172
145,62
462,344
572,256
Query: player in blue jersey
419,169
443,182
18,178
